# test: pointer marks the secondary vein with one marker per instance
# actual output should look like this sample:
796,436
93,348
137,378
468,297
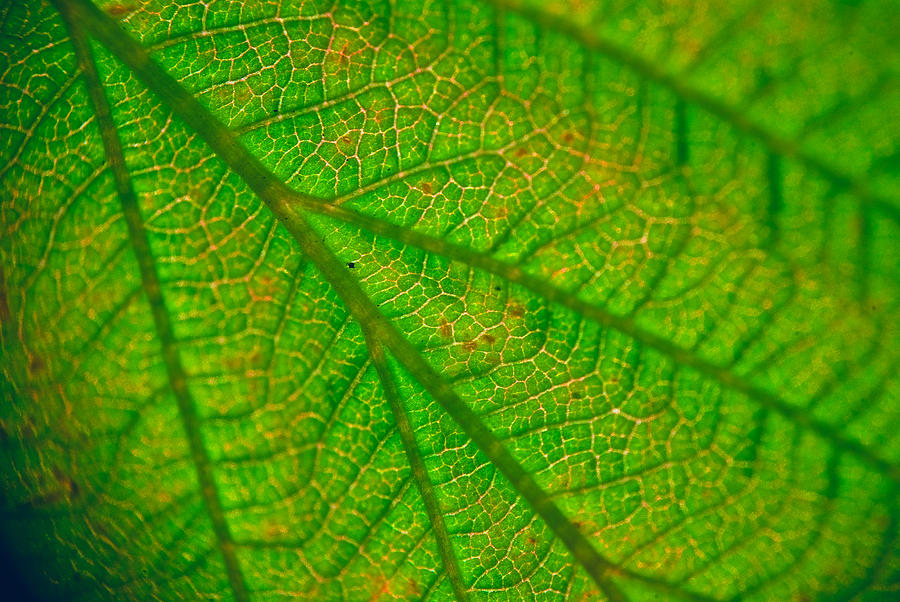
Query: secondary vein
589,39
279,199
140,243
417,467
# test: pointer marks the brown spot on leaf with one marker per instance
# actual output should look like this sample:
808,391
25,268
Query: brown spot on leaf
488,338
273,530
381,588
117,11
496,211
425,187
470,346
413,588
516,310
234,362
36,365
521,152
568,137
4,305
346,140
242,94
446,329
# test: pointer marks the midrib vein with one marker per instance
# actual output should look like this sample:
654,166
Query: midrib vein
417,467
140,243
592,41
627,326
262,181
279,199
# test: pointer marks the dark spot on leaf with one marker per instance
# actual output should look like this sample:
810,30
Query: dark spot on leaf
516,310
4,306
496,288
351,265
445,329
426,187
577,395
521,152
568,137
119,10
346,140
36,365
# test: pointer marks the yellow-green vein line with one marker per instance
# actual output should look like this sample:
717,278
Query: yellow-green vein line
417,467
592,41
150,279
679,355
279,198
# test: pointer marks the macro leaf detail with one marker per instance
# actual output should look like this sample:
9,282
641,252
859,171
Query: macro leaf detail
450,300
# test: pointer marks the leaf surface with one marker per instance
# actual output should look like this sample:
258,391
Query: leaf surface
448,300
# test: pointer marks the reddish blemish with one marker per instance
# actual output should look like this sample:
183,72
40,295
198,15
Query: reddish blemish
274,529
496,211
382,590
5,316
36,365
119,10
67,483
234,362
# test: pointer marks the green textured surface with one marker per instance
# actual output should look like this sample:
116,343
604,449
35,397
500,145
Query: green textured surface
621,321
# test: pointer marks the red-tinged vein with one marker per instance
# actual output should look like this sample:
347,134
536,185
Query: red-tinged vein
140,243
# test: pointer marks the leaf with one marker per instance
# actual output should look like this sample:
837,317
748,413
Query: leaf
429,301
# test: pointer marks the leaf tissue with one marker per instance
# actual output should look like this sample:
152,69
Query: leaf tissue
434,300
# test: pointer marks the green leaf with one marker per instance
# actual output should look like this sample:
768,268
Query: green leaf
426,300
